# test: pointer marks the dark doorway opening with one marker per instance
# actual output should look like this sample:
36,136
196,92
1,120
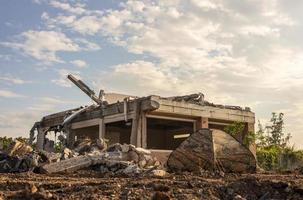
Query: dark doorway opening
167,134
118,132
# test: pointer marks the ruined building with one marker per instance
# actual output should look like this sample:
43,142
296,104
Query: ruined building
151,122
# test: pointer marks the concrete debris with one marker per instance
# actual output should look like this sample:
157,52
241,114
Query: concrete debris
87,145
118,159
198,99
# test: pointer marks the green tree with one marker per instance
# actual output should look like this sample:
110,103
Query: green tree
272,142
276,135
261,139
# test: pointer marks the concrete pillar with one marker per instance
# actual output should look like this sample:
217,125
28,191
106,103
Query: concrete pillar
70,136
135,124
101,129
202,122
40,139
144,131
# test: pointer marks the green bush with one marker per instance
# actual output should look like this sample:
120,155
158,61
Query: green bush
5,142
268,157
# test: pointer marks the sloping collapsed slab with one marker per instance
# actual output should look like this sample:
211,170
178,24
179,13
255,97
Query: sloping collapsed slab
71,164
212,150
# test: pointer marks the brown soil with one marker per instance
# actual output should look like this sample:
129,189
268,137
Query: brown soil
93,185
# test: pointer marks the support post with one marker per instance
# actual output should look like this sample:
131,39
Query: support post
135,123
202,122
144,131
70,137
101,129
40,138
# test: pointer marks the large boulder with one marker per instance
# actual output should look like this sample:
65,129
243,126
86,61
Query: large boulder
212,150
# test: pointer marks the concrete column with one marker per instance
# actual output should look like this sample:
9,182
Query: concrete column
101,129
70,136
135,124
40,139
144,131
202,122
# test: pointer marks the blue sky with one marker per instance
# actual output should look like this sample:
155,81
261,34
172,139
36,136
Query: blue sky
247,53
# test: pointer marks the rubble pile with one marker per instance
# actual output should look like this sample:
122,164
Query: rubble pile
127,159
116,159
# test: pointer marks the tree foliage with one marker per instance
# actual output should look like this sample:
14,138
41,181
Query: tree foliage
272,142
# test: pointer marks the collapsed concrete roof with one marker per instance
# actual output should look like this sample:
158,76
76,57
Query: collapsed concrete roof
192,108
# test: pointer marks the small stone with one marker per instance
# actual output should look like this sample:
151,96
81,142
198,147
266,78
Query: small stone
158,173
49,195
131,169
157,163
221,173
230,191
287,190
239,197
33,189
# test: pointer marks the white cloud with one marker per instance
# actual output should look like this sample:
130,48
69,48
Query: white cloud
9,94
43,45
13,80
77,9
259,30
79,63
86,25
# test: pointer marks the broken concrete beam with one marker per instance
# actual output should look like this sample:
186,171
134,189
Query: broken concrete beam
70,165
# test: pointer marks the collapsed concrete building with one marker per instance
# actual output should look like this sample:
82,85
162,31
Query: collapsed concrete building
157,123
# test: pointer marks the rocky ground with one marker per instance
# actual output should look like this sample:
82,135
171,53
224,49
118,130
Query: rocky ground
87,184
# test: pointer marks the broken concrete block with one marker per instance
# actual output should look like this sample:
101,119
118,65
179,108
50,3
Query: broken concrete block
71,164
114,147
140,150
125,148
66,154
83,146
114,155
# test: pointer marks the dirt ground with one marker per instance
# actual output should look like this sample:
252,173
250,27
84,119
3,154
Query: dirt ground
92,185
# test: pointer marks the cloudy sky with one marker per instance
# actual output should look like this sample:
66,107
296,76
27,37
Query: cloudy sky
237,52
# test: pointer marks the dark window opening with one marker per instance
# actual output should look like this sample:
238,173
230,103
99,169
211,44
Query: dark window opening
167,134
118,132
